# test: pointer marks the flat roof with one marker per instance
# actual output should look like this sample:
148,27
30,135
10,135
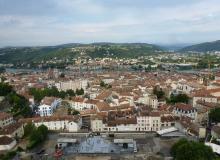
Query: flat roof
167,130
123,140
66,140
174,134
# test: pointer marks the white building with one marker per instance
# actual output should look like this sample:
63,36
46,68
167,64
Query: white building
79,103
97,124
61,123
45,110
151,100
73,85
143,122
149,122
48,106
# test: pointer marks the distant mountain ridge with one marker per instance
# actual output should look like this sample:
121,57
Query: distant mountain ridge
73,50
203,47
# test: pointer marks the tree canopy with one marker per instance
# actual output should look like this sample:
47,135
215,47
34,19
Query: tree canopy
180,98
184,149
5,89
39,94
104,85
158,92
214,115
35,134
19,105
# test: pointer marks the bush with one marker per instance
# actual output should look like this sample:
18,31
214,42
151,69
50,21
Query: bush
8,155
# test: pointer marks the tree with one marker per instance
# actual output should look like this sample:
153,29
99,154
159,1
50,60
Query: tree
72,111
180,98
43,131
214,115
5,89
158,92
29,128
62,94
102,84
37,135
79,91
19,105
70,92
184,149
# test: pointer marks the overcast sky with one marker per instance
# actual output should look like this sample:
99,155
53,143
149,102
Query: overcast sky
50,22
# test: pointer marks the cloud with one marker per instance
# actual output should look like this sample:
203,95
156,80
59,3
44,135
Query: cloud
30,22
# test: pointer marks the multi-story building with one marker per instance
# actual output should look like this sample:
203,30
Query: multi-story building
61,123
181,109
48,105
73,85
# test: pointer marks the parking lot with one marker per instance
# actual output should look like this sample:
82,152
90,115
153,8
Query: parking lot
148,145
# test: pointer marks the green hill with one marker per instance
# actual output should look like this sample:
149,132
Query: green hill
94,50
203,47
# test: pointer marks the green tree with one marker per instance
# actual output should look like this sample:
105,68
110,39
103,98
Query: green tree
214,115
37,136
184,149
19,105
5,89
29,128
158,92
70,92
79,91
62,94
180,98
102,84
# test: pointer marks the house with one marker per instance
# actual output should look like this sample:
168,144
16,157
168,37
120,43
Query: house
152,101
186,126
203,108
121,124
144,122
60,123
48,106
186,87
203,95
7,143
97,123
103,107
45,110
155,121
181,109
13,130
79,103
104,96
5,119
168,121
73,85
